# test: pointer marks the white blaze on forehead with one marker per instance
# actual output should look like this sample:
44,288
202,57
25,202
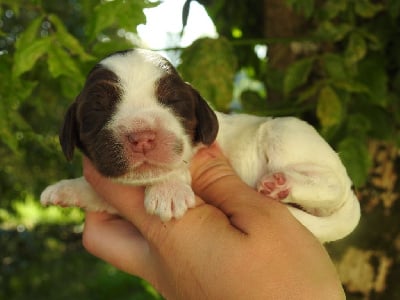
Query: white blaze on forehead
138,71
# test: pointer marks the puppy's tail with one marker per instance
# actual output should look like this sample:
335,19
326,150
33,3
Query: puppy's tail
335,226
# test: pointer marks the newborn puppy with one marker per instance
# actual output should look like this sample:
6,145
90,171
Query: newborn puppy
140,124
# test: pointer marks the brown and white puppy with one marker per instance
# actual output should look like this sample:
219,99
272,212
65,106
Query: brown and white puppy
140,124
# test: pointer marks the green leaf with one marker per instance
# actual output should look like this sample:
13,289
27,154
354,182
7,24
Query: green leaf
61,63
374,41
124,14
331,9
356,48
23,89
334,66
373,75
367,9
103,17
351,86
25,58
333,32
7,137
253,103
355,157
310,91
29,35
329,107
210,65
358,125
297,74
68,40
383,123
28,48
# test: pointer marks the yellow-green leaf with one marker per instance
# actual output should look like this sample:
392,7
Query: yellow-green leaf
329,31
210,65
25,58
356,48
29,35
329,107
367,9
120,13
61,63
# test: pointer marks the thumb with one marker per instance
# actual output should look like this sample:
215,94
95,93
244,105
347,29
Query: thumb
215,181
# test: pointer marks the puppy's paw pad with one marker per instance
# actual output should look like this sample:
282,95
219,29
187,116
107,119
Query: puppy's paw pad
274,185
169,200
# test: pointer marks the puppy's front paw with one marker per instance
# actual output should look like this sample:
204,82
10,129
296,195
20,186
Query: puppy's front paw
169,199
274,186
74,192
61,193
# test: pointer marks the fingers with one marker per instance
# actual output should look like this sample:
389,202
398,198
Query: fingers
116,241
215,181
125,198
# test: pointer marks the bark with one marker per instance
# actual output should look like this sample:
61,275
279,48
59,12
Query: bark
281,22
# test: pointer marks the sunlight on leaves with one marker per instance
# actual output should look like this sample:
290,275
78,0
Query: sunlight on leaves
26,57
201,62
30,213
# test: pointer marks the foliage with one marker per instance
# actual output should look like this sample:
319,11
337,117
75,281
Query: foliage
50,263
345,81
218,90
46,49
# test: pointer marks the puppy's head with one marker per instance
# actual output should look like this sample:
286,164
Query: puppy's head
136,119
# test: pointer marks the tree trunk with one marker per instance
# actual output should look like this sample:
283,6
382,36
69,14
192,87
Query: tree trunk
281,22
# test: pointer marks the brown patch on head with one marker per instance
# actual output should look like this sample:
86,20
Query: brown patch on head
85,121
198,119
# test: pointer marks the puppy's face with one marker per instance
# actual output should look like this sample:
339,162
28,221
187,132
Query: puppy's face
136,119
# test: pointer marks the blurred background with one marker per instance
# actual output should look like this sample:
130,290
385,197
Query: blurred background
334,63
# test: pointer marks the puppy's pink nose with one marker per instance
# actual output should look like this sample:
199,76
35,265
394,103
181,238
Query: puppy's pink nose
142,141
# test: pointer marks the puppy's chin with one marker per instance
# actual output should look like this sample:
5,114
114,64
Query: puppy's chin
147,173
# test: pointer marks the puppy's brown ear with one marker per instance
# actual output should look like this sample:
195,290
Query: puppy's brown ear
69,132
207,122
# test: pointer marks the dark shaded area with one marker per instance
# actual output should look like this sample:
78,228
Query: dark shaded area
49,262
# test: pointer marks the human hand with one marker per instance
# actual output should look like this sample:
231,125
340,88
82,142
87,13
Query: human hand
235,244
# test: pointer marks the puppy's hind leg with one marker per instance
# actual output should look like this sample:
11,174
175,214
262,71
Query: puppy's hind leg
318,190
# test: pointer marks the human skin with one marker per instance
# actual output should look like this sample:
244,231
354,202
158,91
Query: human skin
235,244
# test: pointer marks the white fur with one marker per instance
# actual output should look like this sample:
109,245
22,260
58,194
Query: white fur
316,177
74,192
257,148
